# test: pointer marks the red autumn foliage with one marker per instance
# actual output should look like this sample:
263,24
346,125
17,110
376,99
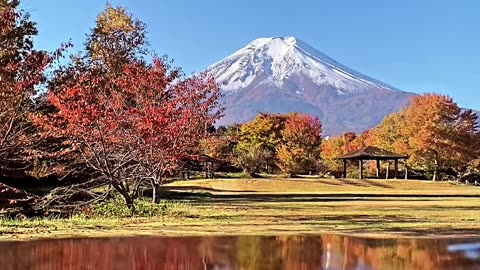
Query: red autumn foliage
303,129
22,73
135,125
300,150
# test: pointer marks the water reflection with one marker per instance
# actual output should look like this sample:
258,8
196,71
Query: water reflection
470,250
282,252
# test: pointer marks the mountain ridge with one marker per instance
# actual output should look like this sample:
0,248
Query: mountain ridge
284,74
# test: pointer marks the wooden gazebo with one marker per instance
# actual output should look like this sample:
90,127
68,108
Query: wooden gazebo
371,153
198,163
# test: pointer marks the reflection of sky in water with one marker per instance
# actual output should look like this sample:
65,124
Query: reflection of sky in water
362,267
472,254
470,250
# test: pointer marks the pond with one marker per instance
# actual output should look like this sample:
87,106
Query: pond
242,252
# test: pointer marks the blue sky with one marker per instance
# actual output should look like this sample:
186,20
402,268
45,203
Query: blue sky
417,46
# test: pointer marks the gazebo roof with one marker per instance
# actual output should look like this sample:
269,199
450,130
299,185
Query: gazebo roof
371,152
200,158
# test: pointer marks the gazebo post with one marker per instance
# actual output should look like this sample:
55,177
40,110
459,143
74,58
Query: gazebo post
388,169
344,168
213,169
396,168
360,165
206,170
406,168
378,168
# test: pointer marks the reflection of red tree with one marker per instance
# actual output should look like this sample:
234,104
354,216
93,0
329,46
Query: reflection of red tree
282,252
133,253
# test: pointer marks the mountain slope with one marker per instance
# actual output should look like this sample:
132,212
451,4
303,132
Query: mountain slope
283,74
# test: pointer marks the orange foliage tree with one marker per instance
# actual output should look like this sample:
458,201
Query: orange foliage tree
366,138
434,131
336,146
302,139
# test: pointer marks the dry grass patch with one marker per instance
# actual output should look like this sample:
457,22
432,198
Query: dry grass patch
394,208
318,186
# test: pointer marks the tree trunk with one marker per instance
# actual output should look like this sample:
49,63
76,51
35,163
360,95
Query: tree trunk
435,169
126,196
155,192
129,202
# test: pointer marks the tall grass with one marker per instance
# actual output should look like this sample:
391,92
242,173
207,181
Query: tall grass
116,209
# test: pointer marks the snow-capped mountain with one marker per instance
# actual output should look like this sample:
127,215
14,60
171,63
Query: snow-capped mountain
284,74
279,58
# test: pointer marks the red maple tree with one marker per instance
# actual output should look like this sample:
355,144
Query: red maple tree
22,73
135,125
301,148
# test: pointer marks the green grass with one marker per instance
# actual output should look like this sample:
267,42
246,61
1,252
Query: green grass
278,206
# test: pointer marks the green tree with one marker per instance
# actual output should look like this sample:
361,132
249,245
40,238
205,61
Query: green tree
252,157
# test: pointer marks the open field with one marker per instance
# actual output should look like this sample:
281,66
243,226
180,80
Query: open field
286,206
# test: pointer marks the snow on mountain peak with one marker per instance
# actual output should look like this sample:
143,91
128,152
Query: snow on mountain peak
276,59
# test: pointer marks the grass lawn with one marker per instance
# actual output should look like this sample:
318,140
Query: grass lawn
286,206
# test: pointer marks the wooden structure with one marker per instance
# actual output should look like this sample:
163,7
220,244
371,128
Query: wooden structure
371,153
198,163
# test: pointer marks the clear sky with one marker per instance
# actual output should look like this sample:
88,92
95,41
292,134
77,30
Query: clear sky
414,45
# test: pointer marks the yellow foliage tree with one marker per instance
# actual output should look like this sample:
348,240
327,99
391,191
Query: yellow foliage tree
116,39
389,136
258,141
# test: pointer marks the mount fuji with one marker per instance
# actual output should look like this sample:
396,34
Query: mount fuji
284,74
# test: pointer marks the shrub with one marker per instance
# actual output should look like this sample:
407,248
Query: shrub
116,208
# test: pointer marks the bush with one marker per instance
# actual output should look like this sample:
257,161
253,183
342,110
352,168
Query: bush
233,175
116,208
252,157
